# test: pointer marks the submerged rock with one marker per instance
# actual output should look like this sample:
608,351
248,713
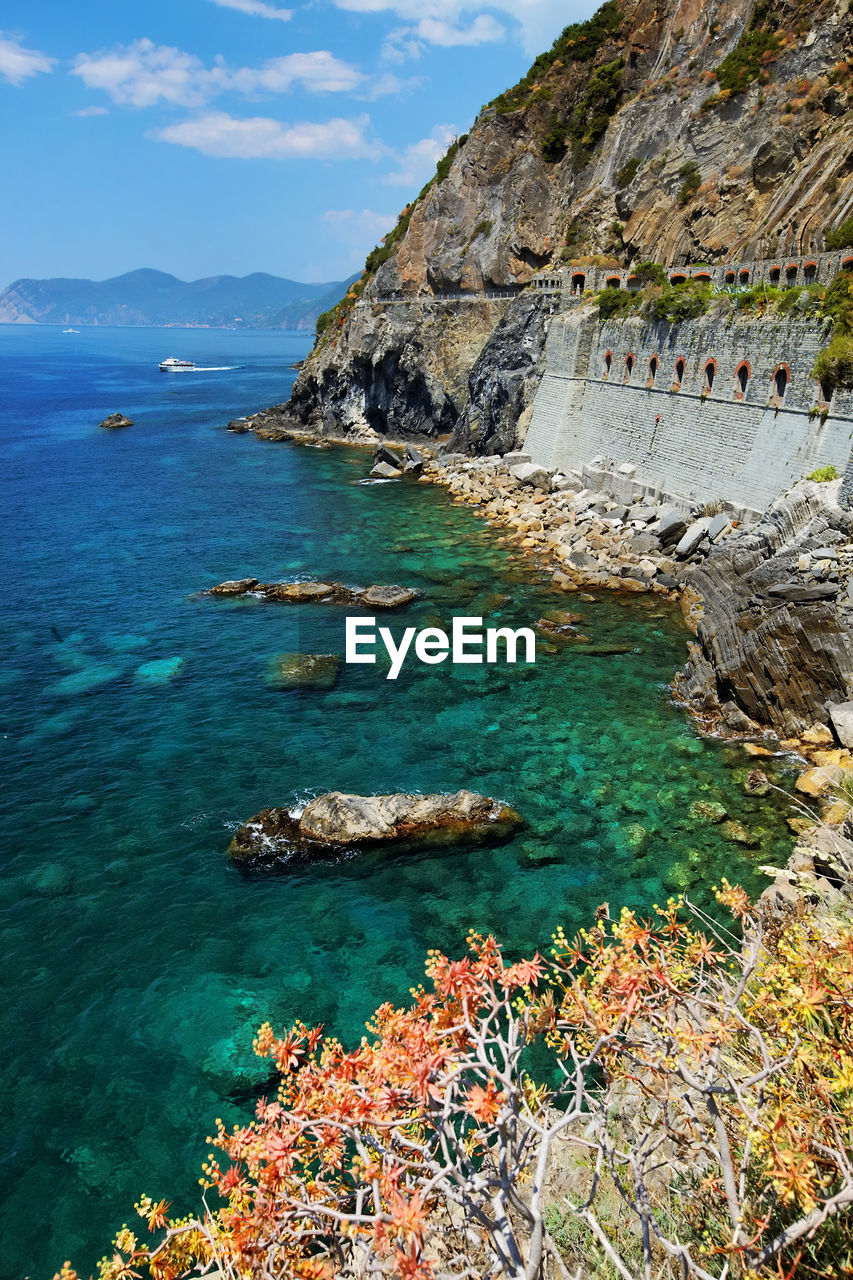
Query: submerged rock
375,597
337,821
234,587
305,670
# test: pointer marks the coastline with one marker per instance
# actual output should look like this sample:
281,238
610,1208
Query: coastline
559,535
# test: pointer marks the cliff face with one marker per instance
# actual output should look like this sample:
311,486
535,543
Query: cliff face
677,132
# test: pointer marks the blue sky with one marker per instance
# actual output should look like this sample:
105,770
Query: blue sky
210,136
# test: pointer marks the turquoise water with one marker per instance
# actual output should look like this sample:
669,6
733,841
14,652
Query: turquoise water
139,729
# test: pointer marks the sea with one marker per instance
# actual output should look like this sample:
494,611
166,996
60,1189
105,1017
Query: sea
141,725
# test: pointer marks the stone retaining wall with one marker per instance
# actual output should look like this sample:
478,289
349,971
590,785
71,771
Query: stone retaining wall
729,410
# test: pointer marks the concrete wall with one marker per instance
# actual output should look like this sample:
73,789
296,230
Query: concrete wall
745,448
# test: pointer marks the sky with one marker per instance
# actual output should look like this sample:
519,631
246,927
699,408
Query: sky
204,137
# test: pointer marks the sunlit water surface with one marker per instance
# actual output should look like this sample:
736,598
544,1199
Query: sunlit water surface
139,729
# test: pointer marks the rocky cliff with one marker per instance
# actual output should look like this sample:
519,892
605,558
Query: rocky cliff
675,131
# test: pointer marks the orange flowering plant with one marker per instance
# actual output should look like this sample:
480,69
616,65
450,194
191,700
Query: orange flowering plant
694,1119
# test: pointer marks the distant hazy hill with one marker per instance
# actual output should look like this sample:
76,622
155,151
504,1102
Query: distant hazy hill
146,297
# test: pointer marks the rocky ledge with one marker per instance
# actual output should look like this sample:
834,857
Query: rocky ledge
337,823
375,597
771,610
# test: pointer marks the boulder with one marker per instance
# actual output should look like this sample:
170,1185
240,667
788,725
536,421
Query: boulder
841,715
671,525
799,593
691,540
298,591
391,597
642,543
117,420
514,459
234,587
337,822
304,670
708,811
383,453
531,474
718,526
414,455
385,471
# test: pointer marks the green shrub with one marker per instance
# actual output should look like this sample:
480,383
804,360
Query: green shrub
746,61
679,302
834,366
613,303
588,120
579,42
554,142
824,473
691,176
650,273
628,173
838,300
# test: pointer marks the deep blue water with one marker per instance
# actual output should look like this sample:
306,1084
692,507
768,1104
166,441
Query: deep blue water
139,728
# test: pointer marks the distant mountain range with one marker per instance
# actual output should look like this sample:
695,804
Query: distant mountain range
147,297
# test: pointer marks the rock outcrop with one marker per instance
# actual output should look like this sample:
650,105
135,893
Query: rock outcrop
337,823
627,142
116,420
777,657
375,597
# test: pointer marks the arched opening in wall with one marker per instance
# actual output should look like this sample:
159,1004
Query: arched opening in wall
781,378
607,365
791,272
824,394
613,282
704,277
810,272
678,374
709,375
730,277
629,367
678,277
744,275
742,376
653,372
633,282
847,264
578,282
774,275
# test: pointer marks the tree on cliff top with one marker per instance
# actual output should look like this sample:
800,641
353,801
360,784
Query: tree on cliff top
696,1120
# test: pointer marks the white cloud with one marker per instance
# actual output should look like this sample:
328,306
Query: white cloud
258,137
91,111
318,72
257,8
417,162
483,30
142,74
540,21
17,64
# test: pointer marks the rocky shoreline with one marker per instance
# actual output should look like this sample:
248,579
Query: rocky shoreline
770,603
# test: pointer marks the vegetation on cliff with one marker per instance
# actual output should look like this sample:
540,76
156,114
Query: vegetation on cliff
690,1115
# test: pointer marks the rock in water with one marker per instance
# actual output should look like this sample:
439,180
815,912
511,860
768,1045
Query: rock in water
305,670
337,821
117,420
234,587
384,471
388,597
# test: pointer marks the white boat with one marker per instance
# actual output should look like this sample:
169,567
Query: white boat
166,366
70,330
